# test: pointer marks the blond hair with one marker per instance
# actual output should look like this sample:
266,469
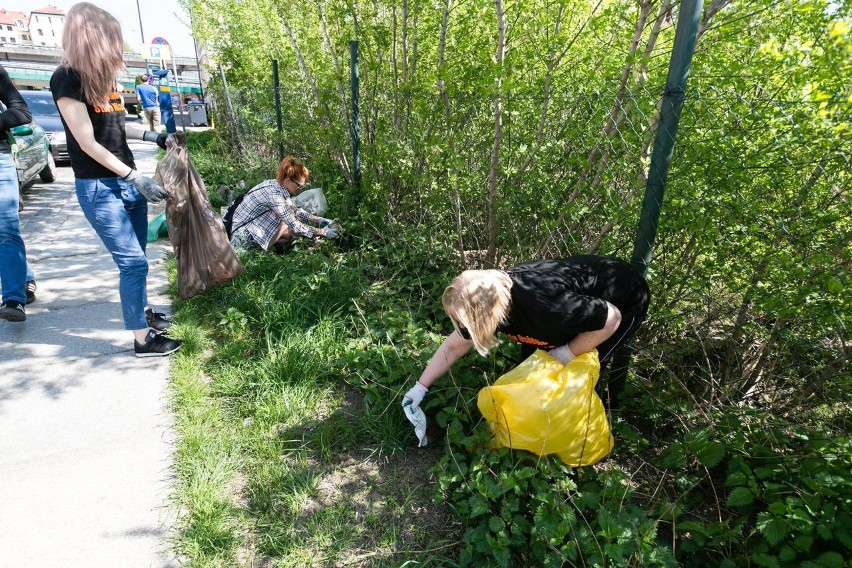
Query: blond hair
479,300
93,48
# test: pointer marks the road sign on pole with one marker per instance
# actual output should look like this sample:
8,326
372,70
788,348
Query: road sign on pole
158,51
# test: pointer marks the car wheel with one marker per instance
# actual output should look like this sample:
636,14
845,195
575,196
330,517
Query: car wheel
48,174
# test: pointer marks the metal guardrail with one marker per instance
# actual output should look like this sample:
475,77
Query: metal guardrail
22,73
53,54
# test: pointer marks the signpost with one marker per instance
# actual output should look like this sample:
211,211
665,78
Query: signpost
156,51
159,49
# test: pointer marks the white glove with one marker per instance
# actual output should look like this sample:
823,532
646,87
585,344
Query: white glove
414,397
146,186
331,231
562,354
418,420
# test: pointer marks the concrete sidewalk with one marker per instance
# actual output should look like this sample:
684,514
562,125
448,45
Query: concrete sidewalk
85,430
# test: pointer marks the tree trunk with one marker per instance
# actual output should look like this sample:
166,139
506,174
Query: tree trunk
451,177
709,12
395,71
341,87
339,155
552,65
404,41
596,158
491,205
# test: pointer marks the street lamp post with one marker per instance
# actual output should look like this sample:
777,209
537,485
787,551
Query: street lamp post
139,12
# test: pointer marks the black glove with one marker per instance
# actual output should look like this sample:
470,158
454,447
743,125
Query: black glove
158,137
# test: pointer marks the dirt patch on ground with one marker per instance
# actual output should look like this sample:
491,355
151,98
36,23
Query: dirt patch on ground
395,490
381,490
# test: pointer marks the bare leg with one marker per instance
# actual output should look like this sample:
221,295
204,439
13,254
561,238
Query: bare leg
284,235
140,334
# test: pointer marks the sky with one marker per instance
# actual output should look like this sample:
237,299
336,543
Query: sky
160,18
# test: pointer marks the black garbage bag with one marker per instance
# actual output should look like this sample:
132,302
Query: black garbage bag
204,256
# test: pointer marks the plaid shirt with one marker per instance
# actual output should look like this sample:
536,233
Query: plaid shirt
264,208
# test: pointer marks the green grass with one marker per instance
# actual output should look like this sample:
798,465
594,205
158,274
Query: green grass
292,448
206,462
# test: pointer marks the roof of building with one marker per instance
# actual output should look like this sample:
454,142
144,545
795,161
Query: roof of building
49,10
10,17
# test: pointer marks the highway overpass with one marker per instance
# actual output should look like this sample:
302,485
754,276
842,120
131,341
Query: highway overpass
30,67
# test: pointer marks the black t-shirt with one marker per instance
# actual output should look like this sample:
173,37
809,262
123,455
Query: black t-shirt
15,112
107,122
554,300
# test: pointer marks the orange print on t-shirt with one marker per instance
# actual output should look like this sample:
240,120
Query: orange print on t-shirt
116,104
528,340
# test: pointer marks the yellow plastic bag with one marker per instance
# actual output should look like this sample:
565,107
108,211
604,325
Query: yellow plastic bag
547,408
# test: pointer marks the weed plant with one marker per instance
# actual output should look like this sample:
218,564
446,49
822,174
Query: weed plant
293,450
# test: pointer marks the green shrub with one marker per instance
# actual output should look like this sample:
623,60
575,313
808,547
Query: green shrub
522,510
785,495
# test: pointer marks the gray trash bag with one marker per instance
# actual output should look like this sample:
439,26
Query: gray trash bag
203,254
312,200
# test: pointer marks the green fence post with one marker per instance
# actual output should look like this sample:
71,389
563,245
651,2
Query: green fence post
356,115
276,87
672,103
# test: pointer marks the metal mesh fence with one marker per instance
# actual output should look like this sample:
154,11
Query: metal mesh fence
752,262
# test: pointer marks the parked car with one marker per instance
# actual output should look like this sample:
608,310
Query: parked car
46,115
33,158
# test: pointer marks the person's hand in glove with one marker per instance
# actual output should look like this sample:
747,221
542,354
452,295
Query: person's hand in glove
323,222
158,137
146,186
414,397
330,232
562,354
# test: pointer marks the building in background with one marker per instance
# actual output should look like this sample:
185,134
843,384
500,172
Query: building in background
45,26
30,49
13,28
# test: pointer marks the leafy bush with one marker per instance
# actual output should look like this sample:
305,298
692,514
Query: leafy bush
782,494
520,510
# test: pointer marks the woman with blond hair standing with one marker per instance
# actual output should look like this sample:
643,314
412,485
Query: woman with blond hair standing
111,193
566,307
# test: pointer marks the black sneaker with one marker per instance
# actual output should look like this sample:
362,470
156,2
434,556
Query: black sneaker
31,288
157,320
12,310
156,345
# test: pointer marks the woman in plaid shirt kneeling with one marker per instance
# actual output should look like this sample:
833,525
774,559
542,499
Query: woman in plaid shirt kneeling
267,215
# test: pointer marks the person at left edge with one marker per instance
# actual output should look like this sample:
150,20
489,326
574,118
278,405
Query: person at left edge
16,276
111,193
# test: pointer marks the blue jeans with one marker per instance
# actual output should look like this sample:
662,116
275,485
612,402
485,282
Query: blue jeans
119,215
14,270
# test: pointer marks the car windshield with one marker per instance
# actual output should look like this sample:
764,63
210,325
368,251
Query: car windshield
41,105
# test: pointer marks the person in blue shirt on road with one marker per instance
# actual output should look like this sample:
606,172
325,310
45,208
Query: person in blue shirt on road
147,94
